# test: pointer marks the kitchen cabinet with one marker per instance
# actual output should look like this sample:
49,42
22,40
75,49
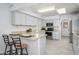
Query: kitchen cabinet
43,23
33,46
42,46
36,46
76,44
30,20
56,35
20,18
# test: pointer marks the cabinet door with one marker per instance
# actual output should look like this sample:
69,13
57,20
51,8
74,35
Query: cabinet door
43,23
31,20
23,19
75,45
56,35
42,46
19,18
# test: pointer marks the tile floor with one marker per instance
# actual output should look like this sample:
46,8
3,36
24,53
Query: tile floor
59,47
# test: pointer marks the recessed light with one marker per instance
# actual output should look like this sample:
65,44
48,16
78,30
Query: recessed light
46,9
61,11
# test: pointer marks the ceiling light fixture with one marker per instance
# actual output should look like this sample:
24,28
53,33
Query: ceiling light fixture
46,9
61,11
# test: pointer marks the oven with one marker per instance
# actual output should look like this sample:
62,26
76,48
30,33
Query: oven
49,33
50,29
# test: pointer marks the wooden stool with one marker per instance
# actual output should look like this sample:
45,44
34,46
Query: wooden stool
17,43
8,44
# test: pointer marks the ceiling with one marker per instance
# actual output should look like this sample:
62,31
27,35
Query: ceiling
34,7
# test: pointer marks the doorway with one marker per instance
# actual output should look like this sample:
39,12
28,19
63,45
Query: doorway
66,28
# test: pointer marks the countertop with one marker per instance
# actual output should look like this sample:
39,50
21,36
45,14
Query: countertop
76,35
31,35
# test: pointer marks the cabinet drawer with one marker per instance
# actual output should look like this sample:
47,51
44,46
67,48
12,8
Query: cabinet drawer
56,33
55,37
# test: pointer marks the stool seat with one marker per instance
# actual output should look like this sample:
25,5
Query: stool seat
22,46
11,43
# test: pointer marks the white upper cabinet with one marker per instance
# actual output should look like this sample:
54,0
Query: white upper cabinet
30,20
23,19
19,18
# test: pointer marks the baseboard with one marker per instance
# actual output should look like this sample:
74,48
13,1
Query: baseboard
65,36
1,53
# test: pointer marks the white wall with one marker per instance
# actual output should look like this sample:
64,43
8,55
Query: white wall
5,24
7,27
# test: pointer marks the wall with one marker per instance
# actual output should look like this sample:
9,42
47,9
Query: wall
5,24
7,27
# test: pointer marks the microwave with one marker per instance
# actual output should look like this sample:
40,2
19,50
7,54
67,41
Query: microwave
49,24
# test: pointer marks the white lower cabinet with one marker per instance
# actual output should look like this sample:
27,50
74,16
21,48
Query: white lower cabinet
43,46
76,45
56,35
35,46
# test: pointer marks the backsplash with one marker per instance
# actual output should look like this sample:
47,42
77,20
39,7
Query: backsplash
23,28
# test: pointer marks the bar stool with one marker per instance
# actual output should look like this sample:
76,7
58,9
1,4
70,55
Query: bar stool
17,43
7,43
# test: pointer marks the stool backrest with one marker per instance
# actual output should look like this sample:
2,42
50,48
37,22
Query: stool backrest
6,39
16,39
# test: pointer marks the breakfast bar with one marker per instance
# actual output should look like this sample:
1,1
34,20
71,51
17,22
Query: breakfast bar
36,42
